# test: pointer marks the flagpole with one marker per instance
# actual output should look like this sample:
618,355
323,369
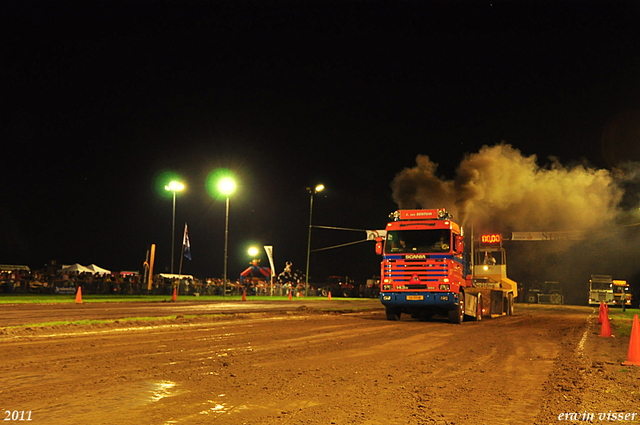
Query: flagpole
181,258
184,241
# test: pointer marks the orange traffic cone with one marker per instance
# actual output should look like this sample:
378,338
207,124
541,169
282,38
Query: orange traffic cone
601,312
79,295
244,294
633,357
289,293
175,295
605,332
329,296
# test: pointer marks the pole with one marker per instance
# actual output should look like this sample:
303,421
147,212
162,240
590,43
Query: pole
181,258
473,274
306,276
173,231
153,257
226,242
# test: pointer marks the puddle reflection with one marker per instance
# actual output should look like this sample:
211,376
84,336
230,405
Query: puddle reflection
162,389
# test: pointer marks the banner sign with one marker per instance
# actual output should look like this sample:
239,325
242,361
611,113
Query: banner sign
547,236
269,250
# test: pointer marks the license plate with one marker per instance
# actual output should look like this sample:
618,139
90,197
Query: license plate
415,297
444,297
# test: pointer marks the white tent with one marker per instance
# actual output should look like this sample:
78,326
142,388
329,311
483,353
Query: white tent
98,270
75,268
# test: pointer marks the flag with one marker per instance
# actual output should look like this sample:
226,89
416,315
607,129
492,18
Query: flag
269,250
186,246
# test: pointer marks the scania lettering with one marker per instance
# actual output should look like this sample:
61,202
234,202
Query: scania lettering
424,270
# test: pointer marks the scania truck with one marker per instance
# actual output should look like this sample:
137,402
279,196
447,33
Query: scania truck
425,271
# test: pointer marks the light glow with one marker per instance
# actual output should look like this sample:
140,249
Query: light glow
226,186
174,186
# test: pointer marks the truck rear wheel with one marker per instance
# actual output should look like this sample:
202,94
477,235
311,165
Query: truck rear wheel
393,313
457,315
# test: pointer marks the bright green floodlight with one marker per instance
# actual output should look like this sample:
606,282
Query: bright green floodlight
253,251
226,186
174,186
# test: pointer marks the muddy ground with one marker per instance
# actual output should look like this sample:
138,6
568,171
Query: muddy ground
296,363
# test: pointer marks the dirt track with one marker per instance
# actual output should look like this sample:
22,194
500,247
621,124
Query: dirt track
298,365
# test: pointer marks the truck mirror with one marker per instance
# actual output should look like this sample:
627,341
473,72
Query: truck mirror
379,245
459,244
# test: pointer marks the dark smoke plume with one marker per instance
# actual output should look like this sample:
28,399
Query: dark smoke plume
498,189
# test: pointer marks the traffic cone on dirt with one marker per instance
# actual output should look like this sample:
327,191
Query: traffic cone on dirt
633,357
605,332
175,295
329,296
289,293
244,294
601,312
79,295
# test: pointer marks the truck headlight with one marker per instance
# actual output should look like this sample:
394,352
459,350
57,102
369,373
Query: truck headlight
445,287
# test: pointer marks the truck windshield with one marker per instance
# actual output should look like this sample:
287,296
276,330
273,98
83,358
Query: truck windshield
618,289
423,241
600,286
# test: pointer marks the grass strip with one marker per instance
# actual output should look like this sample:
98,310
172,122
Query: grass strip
623,321
90,298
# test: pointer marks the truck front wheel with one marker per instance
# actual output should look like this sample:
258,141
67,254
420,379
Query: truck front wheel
393,313
457,315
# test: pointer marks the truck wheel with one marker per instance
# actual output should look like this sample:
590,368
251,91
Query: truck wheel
510,309
479,308
393,313
457,315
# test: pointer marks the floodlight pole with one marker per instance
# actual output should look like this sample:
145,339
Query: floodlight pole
226,243
306,275
173,231
312,191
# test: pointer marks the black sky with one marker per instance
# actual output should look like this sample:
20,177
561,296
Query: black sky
100,98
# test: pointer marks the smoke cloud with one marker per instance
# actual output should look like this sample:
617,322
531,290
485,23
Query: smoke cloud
498,189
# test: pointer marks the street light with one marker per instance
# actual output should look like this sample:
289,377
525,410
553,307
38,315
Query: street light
226,186
318,188
174,187
253,251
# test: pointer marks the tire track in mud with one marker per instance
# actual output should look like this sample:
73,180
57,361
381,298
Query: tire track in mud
293,369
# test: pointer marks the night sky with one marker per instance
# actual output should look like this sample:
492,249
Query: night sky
100,99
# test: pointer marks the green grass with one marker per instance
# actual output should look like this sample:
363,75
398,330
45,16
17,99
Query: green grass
623,321
70,299
90,298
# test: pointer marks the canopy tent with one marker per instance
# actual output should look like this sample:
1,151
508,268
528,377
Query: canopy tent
79,268
98,270
75,268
